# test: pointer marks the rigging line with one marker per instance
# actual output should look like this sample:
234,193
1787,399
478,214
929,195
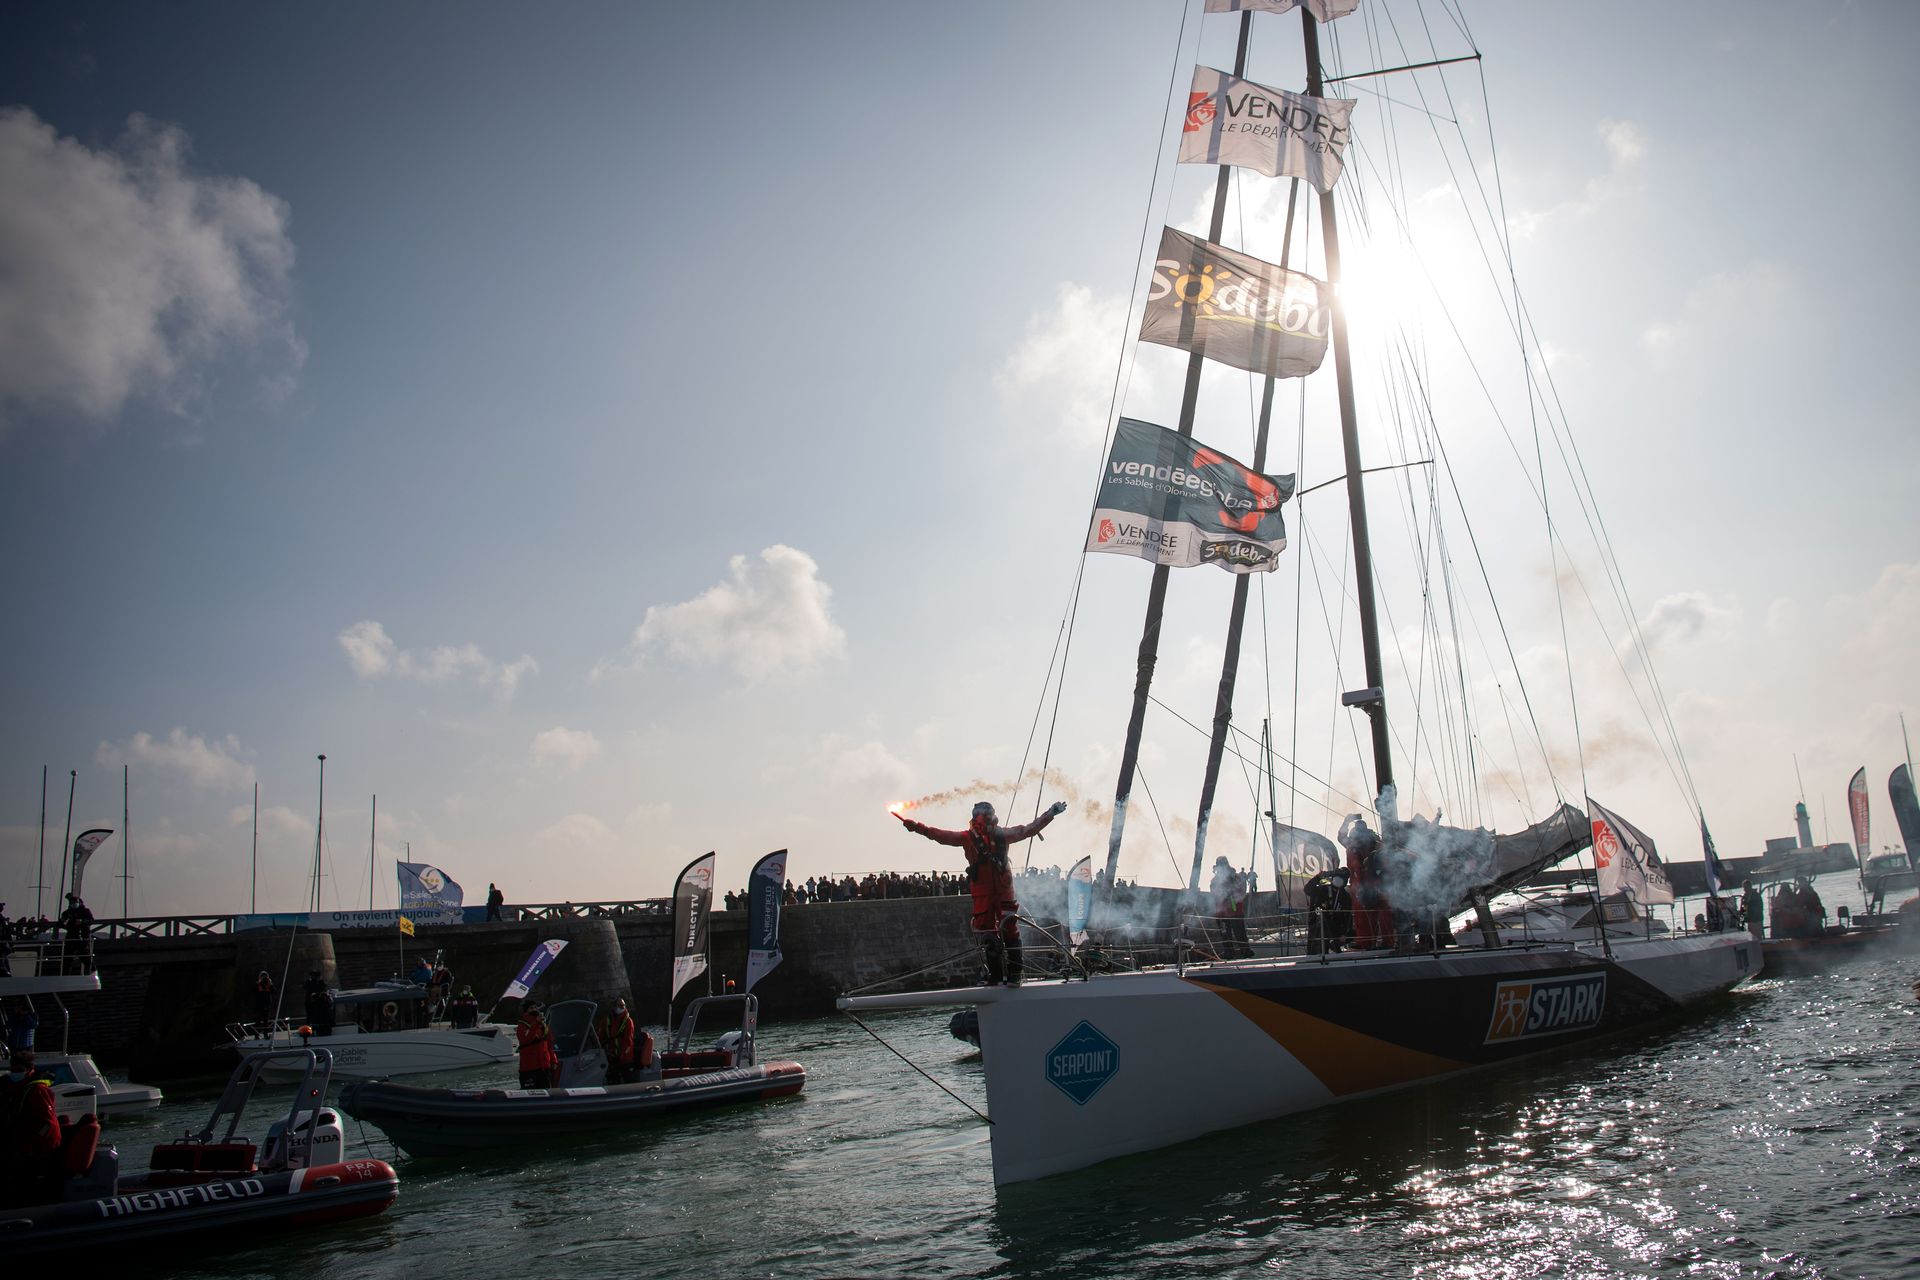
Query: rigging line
910,1062
1237,754
1392,101
1365,471
1179,878
1040,705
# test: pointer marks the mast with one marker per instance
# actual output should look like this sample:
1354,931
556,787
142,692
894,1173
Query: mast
40,880
126,838
253,902
319,839
1149,654
1371,699
373,828
65,839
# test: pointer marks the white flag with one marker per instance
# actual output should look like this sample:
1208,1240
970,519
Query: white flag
1625,859
1324,10
1281,134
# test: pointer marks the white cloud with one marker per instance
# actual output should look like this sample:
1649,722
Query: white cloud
276,821
1626,147
1679,617
127,273
1625,143
564,748
869,766
768,617
372,654
213,766
1064,365
1723,310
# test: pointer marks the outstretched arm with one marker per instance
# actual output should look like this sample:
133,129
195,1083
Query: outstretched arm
935,834
1029,829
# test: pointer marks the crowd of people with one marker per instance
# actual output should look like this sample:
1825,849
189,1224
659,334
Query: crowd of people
73,931
889,884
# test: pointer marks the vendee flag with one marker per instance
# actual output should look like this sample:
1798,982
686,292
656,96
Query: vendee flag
1281,134
1236,309
764,889
425,886
1166,498
83,846
692,901
543,955
1625,859
1324,10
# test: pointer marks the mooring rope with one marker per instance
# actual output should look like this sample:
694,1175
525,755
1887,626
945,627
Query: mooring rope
913,973
910,1062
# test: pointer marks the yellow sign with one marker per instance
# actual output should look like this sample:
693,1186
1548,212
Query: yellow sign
406,926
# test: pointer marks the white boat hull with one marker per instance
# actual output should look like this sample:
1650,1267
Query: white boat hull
1081,1072
379,1054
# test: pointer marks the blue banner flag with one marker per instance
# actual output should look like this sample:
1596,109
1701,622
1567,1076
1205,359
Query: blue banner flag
425,886
543,955
765,888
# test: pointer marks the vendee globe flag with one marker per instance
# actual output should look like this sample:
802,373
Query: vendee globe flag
427,886
764,889
1236,309
1625,859
1271,131
692,903
1166,498
1324,10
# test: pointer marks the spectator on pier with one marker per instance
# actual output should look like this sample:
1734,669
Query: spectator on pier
29,1135
495,900
994,906
539,1064
77,924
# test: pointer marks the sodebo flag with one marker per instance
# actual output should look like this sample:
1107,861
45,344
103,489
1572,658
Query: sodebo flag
1235,309
1281,134
1324,10
1625,860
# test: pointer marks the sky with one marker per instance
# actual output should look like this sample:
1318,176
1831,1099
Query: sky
615,432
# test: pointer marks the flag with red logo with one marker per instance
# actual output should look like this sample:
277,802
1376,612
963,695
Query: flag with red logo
1236,309
1169,499
1281,134
1625,859
1324,10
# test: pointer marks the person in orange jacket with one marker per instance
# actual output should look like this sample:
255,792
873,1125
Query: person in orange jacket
539,1064
620,1036
991,873
29,1136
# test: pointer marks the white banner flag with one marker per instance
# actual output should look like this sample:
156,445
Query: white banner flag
1281,134
1324,10
1625,859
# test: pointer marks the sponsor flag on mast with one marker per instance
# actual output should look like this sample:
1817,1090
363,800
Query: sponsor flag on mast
83,846
692,903
1857,806
1168,499
543,955
1236,309
1716,871
1906,812
422,885
764,889
1324,10
1625,859
1079,900
1250,126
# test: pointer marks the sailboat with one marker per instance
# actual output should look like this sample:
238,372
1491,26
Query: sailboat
1114,1062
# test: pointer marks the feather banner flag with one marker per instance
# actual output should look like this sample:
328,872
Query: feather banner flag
1079,900
1270,131
1236,309
1625,859
543,955
692,904
764,889
83,847
1857,806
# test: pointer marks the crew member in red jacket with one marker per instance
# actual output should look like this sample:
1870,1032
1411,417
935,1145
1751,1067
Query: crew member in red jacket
29,1136
620,1044
991,876
539,1064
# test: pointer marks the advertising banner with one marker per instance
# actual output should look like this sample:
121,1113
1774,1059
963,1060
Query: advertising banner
1236,309
1625,859
426,886
1168,499
692,902
764,889
1281,134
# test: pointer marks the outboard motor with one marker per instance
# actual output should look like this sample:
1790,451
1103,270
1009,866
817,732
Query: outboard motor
316,1139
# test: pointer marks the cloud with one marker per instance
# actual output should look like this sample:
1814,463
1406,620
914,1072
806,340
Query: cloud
564,748
212,766
869,766
372,654
1724,308
276,821
1625,143
1064,365
767,618
1680,617
1626,147
127,273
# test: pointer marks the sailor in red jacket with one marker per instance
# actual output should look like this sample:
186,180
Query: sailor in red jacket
991,876
539,1064
620,1044
29,1136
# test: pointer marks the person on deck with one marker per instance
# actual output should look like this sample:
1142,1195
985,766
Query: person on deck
1372,912
76,923
1330,922
29,1136
465,1010
495,899
1229,890
422,974
620,1037
22,1024
263,997
539,1064
994,905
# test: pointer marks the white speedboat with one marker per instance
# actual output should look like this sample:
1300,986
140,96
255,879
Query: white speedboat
380,1031
79,1086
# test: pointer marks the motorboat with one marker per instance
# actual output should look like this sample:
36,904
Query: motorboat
439,1122
381,1031
211,1180
79,1086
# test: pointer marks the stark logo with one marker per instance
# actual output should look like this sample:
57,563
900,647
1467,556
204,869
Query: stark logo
1200,112
1546,1006
1106,531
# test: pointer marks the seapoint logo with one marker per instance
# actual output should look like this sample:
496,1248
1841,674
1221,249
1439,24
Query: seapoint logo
1546,1006
1082,1063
